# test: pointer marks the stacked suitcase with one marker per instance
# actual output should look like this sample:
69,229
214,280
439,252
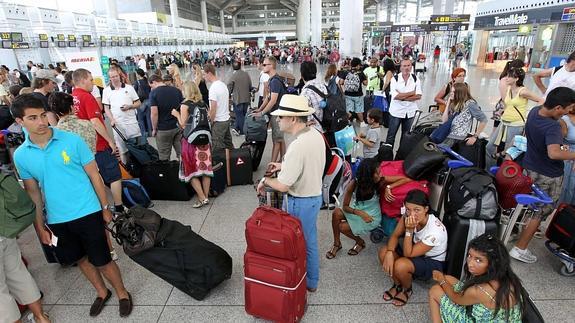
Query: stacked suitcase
275,266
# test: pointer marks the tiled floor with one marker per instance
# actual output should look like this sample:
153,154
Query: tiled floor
350,288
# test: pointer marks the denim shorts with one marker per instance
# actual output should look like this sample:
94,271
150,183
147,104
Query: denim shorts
108,166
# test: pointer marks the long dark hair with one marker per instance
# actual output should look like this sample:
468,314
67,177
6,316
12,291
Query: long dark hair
498,269
516,63
365,188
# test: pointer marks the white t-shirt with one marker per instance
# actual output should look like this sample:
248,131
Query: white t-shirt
116,99
219,93
400,109
561,78
434,235
264,77
95,92
142,64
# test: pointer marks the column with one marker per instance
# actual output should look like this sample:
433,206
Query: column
303,21
388,12
111,9
417,9
174,13
316,25
397,11
437,7
449,5
234,24
350,28
379,11
204,14
222,22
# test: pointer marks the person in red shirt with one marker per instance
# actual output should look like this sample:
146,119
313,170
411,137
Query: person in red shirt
86,108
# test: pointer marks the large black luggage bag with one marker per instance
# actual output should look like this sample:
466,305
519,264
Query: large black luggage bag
475,153
256,149
219,181
187,261
161,181
460,231
238,165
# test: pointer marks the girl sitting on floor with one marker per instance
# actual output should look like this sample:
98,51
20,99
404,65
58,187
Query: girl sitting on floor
490,292
423,248
360,212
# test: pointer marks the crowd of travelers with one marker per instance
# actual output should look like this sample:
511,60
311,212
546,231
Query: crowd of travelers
68,146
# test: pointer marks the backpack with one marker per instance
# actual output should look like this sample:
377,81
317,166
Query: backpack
352,83
556,69
18,211
396,77
197,129
332,87
335,116
472,194
133,193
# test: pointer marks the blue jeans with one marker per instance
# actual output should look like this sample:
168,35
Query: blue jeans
306,209
144,118
394,123
240,109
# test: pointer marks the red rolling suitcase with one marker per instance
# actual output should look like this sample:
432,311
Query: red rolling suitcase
275,288
273,232
275,266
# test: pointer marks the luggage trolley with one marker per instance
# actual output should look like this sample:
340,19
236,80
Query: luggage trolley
436,189
527,204
568,268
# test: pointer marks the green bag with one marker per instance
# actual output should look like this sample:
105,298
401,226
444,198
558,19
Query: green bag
17,210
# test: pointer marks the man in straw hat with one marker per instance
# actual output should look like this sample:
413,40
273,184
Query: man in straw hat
300,175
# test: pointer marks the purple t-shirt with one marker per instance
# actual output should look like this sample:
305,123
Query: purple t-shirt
542,132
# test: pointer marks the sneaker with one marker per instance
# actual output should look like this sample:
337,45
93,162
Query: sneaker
114,255
525,256
539,234
331,206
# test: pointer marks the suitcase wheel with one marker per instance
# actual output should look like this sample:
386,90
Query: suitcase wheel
566,271
376,235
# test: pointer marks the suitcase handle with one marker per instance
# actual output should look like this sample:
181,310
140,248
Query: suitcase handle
459,160
539,197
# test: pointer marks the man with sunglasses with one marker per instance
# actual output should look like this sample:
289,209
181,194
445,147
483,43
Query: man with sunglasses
300,175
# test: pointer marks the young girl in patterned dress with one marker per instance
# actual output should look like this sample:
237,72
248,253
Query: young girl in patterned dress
490,291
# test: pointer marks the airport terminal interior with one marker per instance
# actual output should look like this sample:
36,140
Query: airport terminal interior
437,36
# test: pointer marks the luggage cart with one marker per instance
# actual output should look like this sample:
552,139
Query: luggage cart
527,204
568,268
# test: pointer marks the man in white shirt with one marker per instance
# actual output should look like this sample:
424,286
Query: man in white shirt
120,102
219,112
563,76
405,90
142,63
262,87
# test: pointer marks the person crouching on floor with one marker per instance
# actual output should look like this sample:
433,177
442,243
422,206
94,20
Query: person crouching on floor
360,212
422,251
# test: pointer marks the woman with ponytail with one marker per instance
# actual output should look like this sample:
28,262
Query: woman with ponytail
489,292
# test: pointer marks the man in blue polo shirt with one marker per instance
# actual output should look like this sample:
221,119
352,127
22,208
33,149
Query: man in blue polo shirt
60,165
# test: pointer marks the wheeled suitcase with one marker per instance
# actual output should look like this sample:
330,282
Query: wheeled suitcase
219,181
238,165
187,261
410,139
275,289
474,153
459,232
273,232
561,229
161,181
256,149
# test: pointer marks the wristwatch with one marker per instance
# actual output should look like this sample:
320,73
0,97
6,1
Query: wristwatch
407,234
108,207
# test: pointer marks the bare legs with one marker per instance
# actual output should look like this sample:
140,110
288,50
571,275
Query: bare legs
112,274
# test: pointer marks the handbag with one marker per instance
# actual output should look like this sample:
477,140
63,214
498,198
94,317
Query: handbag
423,160
498,111
440,134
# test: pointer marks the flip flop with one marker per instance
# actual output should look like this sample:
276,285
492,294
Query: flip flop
357,248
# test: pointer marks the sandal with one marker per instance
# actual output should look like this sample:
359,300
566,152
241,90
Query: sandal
357,248
333,251
401,302
387,294
199,203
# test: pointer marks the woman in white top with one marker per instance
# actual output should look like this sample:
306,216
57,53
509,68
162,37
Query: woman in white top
422,251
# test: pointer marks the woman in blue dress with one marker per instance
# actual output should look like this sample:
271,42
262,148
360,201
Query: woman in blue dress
568,126
361,212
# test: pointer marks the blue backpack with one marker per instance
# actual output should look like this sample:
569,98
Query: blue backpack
133,193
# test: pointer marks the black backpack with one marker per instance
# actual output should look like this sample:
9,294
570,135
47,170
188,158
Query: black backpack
334,114
472,194
197,129
396,77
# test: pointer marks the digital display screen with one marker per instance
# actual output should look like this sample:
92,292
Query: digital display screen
43,44
61,43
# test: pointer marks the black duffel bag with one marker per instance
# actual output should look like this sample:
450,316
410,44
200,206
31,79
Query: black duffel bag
423,160
136,229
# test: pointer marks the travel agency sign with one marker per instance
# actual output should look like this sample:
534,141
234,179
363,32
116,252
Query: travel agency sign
513,19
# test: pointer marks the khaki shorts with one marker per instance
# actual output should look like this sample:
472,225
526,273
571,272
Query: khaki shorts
277,134
549,185
16,283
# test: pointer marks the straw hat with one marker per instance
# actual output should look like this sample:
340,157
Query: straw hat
293,106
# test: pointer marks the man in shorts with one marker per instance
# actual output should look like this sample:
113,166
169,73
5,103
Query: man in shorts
58,167
352,82
543,160
277,89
